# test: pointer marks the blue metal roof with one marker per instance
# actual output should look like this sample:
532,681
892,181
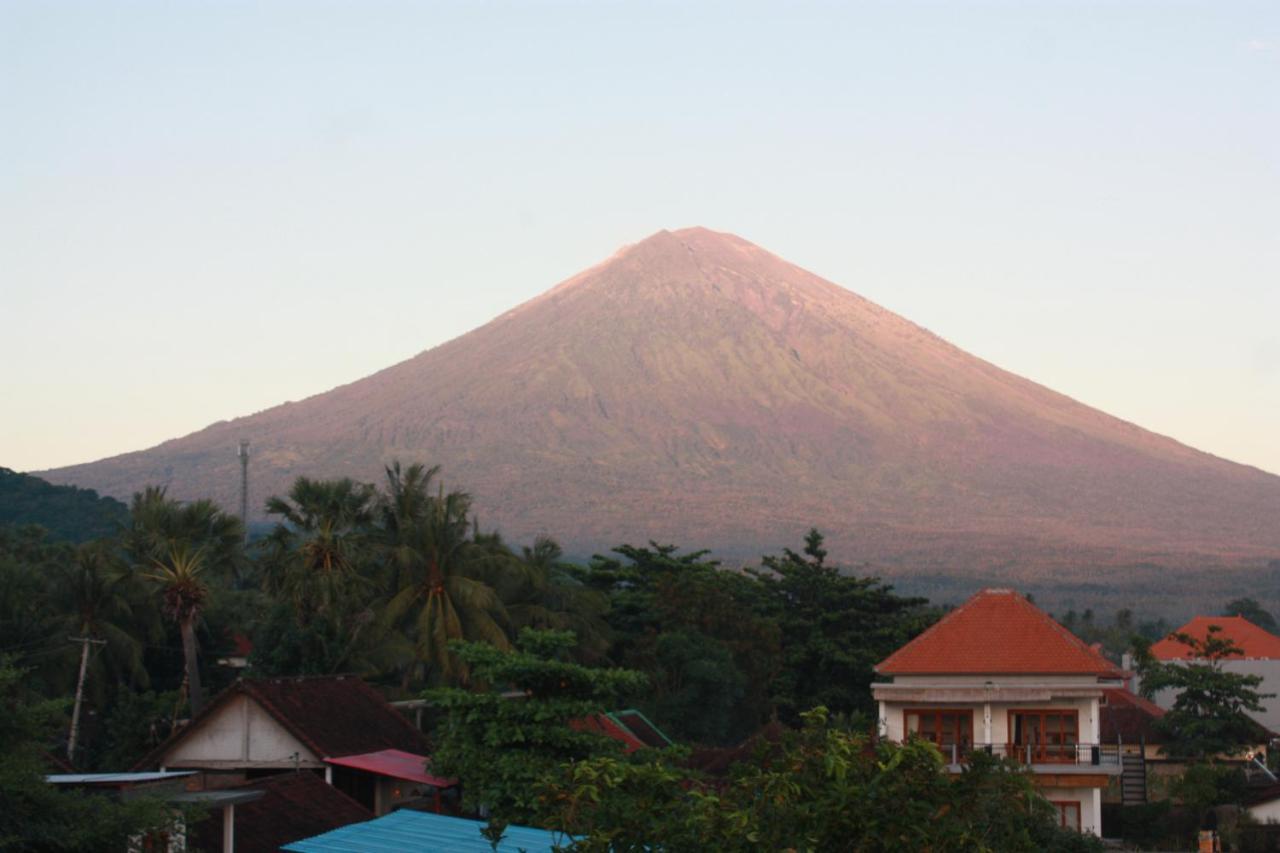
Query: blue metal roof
421,831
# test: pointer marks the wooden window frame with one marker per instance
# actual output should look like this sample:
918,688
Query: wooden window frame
963,729
1041,752
1063,806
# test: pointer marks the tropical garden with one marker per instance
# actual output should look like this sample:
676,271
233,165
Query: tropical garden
106,644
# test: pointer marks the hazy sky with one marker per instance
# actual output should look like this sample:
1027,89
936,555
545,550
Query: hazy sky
210,208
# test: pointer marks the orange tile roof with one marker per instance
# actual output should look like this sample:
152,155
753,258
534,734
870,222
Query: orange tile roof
1253,641
997,632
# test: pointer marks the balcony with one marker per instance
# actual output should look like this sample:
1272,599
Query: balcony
1050,758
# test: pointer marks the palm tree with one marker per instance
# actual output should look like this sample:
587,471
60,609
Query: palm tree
546,595
319,553
184,594
102,605
157,522
440,572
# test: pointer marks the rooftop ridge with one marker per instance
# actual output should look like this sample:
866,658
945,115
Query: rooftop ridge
970,640
1254,641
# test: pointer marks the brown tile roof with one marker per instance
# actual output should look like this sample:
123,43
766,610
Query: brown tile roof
333,715
1253,641
997,632
719,760
1129,718
295,806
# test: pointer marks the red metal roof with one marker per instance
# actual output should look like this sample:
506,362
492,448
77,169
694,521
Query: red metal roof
1253,641
997,632
602,725
396,764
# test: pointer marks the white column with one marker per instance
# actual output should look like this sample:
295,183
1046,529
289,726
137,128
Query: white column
986,723
883,723
1095,731
328,774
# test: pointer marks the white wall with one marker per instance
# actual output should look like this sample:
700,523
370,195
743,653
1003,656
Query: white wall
1268,668
1266,812
1090,800
242,733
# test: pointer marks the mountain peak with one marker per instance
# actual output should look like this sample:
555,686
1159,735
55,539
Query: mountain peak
694,388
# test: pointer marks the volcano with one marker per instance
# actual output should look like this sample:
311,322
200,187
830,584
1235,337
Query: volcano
696,389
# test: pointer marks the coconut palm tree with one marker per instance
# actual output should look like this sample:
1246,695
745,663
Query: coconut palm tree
183,592
546,595
439,571
103,608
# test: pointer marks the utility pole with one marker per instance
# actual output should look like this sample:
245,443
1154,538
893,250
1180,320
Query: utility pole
244,487
85,642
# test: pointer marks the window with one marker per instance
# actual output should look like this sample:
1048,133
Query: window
1046,736
945,727
1068,814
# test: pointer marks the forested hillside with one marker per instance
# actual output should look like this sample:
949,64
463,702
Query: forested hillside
67,512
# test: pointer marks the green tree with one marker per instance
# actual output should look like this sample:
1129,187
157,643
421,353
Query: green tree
1250,609
157,523
442,573
32,632
35,816
523,720
835,629
822,788
178,578
1209,716
547,594
657,591
101,601
319,555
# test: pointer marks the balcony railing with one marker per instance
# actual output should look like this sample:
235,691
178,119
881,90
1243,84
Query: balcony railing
1079,754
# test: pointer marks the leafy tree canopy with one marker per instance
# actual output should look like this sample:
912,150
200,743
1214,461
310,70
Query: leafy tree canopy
67,512
835,629
1250,609
822,788
705,613
523,719
1209,717
35,816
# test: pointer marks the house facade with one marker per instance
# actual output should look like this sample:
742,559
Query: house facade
999,675
337,727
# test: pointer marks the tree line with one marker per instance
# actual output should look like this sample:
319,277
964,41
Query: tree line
397,582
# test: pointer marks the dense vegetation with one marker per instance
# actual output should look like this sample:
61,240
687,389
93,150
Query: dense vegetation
397,582
67,512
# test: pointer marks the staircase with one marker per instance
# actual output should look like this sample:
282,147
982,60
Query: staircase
1133,778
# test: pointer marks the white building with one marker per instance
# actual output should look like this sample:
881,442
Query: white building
998,674
1259,654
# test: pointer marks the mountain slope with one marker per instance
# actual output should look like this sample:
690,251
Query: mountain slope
695,388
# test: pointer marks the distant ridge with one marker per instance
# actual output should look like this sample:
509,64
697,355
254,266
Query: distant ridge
697,389
68,513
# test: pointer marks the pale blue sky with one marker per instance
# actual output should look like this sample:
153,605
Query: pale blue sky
210,208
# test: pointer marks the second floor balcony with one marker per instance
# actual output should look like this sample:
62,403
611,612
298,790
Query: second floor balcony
1041,757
